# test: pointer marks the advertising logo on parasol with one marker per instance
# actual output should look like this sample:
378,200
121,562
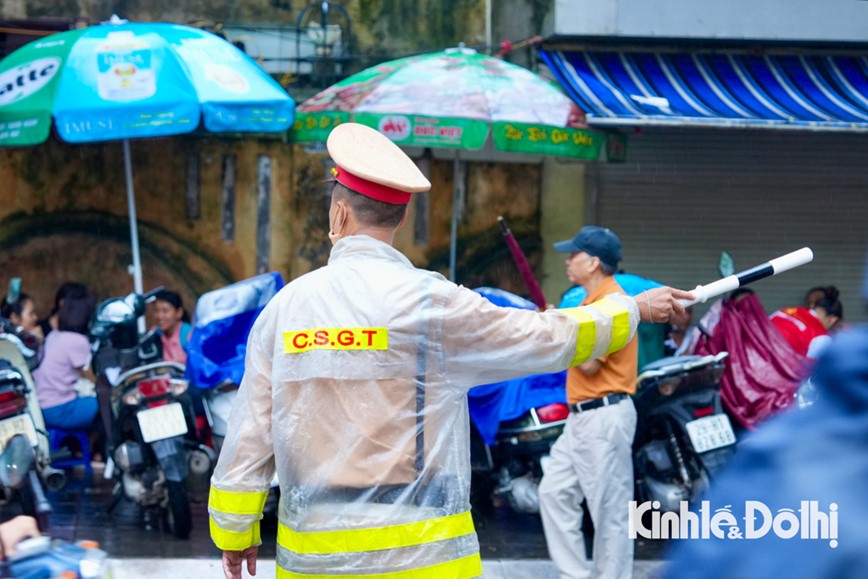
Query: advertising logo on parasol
395,127
226,78
125,71
25,79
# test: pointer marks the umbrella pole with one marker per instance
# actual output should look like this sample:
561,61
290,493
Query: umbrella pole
457,209
136,269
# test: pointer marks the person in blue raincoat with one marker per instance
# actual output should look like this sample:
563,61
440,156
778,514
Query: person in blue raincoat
797,486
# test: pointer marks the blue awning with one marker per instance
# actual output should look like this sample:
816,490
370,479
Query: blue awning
819,92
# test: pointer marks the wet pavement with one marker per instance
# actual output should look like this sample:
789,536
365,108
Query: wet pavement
80,512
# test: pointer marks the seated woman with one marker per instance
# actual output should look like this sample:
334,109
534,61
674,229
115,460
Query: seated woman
173,326
66,359
69,289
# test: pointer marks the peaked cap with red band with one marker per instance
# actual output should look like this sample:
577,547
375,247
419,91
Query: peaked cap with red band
372,165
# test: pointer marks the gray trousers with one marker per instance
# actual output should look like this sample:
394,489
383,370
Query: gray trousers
591,460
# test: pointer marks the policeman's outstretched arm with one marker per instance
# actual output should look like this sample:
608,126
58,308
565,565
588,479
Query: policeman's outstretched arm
483,343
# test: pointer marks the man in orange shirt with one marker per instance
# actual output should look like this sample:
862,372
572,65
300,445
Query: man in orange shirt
592,459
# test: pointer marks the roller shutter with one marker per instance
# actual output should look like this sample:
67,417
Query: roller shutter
686,194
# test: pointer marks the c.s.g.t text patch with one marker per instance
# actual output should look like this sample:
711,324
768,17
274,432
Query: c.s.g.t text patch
299,341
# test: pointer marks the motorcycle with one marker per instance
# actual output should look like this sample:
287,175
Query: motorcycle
218,342
511,467
25,462
683,436
154,443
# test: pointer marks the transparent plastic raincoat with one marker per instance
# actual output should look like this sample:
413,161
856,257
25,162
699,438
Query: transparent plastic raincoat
355,391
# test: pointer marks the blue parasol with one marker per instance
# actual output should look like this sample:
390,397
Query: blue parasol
120,81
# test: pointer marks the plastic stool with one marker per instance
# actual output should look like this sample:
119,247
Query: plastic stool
56,437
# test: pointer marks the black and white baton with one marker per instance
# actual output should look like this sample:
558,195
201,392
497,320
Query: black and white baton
735,281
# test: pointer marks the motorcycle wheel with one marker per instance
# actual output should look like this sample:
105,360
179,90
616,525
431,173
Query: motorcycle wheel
482,485
178,519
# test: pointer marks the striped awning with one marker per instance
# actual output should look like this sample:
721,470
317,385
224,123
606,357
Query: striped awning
815,92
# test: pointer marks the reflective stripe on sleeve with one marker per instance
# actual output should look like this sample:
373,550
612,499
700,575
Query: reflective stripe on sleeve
620,322
586,336
233,541
463,568
235,503
376,538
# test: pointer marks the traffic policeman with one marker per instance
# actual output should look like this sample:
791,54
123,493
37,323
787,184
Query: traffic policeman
355,391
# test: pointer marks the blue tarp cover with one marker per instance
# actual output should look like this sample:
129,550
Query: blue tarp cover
221,324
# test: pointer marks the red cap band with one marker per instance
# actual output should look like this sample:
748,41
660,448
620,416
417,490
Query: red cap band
370,189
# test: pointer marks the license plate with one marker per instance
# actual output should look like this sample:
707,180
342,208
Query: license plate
710,432
162,422
21,424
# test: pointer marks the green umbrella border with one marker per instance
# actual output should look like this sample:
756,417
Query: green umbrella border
525,138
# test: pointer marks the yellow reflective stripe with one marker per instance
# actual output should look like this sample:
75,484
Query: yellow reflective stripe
464,568
620,322
376,538
232,540
235,503
586,335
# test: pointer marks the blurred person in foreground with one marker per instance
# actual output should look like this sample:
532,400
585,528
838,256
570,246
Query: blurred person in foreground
13,532
355,391
813,462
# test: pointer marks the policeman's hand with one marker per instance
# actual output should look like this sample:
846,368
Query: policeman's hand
16,530
233,560
658,304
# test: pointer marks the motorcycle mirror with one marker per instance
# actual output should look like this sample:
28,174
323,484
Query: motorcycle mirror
137,303
150,295
115,311
726,265
132,299
16,461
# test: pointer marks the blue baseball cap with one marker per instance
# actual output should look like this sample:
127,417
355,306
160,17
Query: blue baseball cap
596,241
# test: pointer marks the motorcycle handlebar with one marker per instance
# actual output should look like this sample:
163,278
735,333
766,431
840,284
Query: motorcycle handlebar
149,295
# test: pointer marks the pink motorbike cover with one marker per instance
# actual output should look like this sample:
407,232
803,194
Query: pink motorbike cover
763,371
